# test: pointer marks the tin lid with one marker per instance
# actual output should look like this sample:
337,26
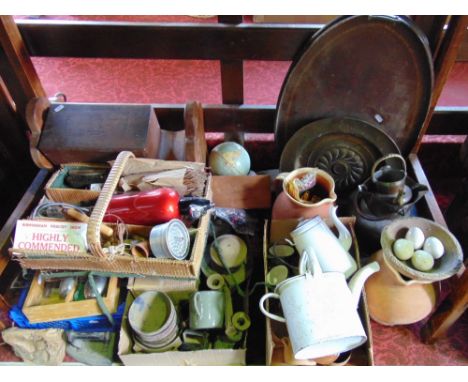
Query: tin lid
177,239
377,69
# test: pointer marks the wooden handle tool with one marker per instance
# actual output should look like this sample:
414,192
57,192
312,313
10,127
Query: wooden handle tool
79,216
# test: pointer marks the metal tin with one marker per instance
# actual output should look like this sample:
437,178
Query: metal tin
170,240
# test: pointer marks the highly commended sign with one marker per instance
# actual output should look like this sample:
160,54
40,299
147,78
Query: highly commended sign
50,236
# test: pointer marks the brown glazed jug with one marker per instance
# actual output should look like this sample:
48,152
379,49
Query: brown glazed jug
394,300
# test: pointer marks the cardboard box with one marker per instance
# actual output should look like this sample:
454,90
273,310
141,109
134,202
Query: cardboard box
138,285
210,357
361,356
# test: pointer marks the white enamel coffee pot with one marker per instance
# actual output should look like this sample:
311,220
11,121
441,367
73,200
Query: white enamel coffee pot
320,309
313,235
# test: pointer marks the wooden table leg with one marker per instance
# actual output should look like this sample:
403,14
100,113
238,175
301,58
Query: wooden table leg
450,310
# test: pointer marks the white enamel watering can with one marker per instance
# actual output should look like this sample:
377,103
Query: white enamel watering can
313,235
320,309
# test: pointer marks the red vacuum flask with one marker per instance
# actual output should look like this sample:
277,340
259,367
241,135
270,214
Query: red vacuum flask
144,208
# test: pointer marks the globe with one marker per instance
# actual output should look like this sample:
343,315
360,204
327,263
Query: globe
229,158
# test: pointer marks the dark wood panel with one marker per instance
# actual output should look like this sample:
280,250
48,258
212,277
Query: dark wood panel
32,194
443,63
261,118
16,167
232,81
16,68
449,311
25,205
8,268
463,50
221,118
98,132
433,27
428,204
449,120
232,71
164,41
230,19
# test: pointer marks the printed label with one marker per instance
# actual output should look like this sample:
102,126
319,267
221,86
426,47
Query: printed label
50,236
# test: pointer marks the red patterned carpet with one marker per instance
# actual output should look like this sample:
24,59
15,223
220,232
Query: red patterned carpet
170,81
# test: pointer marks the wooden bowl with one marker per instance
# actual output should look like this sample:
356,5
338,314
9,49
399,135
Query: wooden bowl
445,267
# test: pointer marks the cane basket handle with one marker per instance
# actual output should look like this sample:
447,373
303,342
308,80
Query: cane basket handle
93,234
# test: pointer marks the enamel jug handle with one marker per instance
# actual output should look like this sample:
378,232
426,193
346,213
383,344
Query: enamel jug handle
267,313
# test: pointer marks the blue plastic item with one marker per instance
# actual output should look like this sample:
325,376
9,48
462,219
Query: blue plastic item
84,324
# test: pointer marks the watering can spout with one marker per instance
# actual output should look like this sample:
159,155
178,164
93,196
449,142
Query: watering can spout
357,281
344,237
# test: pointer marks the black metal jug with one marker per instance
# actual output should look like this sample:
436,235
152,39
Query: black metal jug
385,196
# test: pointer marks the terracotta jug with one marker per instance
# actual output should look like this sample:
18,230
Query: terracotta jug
394,300
286,207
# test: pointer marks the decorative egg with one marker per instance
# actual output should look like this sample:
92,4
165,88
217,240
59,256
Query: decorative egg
434,246
416,235
422,261
403,249
229,158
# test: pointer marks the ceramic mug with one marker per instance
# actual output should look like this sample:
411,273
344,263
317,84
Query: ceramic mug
207,310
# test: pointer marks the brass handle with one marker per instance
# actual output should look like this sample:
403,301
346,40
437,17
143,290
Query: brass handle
389,156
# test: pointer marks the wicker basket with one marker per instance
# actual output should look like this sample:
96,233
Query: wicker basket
99,261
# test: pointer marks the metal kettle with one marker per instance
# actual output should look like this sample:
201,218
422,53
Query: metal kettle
387,195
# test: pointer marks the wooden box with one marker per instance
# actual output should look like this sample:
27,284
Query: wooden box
57,191
67,309
96,133
242,191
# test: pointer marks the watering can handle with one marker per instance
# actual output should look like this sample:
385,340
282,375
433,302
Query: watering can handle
266,312
389,156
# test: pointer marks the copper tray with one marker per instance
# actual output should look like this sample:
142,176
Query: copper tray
374,68
345,148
